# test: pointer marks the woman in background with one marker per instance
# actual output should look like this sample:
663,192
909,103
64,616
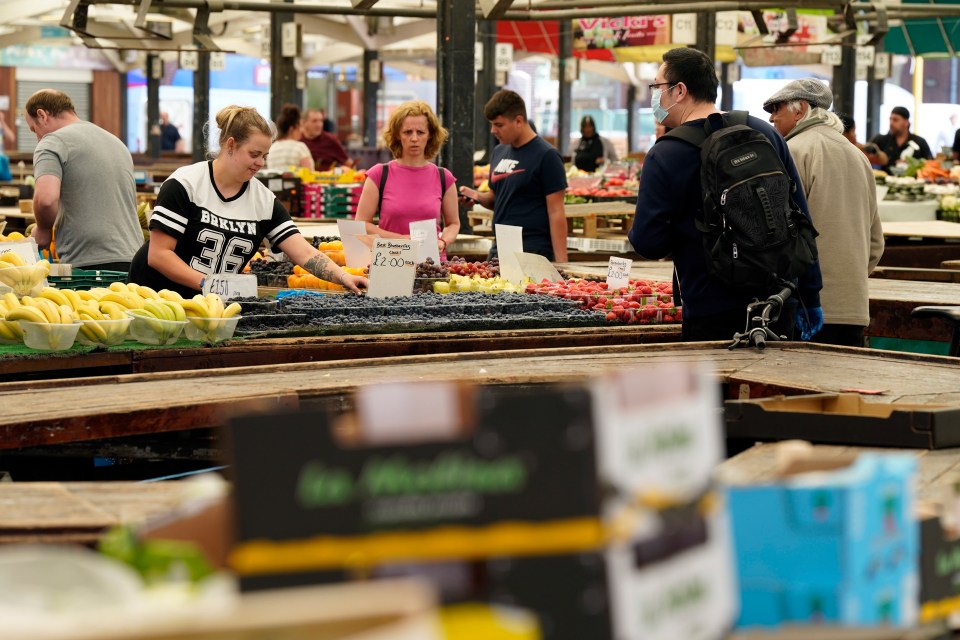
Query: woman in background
287,150
415,188
593,149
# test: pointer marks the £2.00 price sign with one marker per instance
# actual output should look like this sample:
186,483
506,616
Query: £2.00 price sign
392,269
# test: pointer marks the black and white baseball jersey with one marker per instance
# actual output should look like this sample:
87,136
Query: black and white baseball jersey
214,234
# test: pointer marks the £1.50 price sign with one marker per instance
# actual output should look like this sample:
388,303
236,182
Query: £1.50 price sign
392,268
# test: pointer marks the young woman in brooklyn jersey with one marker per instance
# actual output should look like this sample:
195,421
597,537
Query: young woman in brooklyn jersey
210,217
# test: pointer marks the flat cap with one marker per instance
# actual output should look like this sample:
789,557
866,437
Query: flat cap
810,89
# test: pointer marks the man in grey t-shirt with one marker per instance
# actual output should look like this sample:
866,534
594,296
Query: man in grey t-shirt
84,187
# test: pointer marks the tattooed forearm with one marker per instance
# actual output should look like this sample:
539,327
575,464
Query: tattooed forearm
323,267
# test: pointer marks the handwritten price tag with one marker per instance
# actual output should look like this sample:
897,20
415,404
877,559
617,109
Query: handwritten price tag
231,285
618,273
392,269
26,249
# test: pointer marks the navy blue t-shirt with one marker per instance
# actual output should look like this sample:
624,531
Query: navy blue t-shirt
521,178
667,204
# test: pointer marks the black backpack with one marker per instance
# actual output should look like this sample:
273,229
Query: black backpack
754,235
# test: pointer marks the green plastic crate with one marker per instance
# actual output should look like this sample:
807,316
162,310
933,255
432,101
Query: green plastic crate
82,279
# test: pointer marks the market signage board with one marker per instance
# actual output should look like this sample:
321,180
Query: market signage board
355,252
509,244
727,23
881,62
618,272
504,56
231,285
832,55
424,234
393,268
685,28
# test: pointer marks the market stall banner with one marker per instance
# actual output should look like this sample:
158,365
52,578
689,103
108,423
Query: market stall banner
802,46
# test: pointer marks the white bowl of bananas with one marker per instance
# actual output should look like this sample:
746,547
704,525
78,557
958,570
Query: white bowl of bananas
20,278
208,320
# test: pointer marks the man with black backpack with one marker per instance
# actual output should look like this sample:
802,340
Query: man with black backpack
721,194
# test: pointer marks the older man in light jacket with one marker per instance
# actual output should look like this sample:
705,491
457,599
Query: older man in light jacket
840,188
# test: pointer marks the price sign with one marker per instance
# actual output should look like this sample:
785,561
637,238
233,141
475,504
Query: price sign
538,268
231,285
618,273
832,55
356,253
684,28
392,269
424,235
509,244
26,249
504,56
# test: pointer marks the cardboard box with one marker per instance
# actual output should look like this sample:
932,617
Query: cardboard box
845,418
837,546
939,571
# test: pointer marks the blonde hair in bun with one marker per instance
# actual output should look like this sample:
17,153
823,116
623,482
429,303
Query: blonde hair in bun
239,122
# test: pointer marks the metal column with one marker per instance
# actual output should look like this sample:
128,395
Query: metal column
565,97
873,126
154,75
456,34
707,33
726,88
371,90
632,120
201,107
486,87
845,77
283,71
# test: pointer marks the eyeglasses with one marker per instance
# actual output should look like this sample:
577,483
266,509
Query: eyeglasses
659,84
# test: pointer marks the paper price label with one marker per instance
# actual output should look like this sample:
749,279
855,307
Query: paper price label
424,235
392,269
231,285
26,249
618,273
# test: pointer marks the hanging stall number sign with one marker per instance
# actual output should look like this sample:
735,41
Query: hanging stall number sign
618,273
503,57
832,55
866,55
231,285
392,269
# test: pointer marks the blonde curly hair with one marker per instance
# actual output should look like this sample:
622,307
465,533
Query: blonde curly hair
391,135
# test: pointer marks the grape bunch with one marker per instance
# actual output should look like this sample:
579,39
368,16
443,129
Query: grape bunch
429,269
486,269
271,267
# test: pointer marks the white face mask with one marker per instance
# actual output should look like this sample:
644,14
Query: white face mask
660,113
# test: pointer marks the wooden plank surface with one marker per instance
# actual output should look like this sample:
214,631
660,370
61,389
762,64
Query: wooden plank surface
264,351
936,229
640,269
95,408
80,511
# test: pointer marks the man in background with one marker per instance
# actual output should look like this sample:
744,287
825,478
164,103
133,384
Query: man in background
876,157
527,179
325,148
899,143
170,139
84,186
841,192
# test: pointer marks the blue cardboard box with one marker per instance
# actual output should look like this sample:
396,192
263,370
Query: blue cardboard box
837,545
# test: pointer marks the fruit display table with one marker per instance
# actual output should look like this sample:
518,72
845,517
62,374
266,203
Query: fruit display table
589,213
89,409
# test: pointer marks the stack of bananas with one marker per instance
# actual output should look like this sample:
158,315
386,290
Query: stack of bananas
209,320
142,219
49,325
18,276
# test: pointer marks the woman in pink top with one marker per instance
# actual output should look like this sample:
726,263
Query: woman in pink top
413,190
